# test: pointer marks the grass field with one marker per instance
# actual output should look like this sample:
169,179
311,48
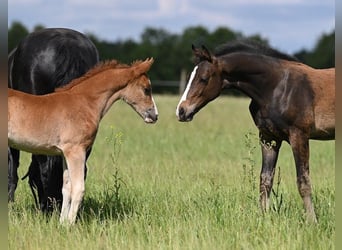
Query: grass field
178,185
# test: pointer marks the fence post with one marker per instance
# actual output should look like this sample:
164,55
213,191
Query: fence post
182,81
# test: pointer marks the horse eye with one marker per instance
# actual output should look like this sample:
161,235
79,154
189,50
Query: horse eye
147,91
204,80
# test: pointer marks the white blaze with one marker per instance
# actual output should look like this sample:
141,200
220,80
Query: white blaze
154,103
155,106
185,94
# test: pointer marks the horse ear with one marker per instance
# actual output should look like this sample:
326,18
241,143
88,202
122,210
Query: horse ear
202,54
197,52
207,54
144,66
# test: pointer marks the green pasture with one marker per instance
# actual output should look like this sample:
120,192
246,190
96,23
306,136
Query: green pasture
176,185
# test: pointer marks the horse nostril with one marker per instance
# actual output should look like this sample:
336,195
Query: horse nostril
151,112
181,111
155,116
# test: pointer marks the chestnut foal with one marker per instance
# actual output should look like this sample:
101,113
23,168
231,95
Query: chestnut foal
66,122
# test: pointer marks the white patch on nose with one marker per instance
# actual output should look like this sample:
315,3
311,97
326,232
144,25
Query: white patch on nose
185,94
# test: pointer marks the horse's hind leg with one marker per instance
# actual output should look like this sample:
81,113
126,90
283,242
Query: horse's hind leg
300,147
13,164
270,151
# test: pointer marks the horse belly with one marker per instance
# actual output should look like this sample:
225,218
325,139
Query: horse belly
324,119
24,142
33,138
324,128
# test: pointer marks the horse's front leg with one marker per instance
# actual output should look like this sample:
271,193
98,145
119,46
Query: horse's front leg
300,147
13,164
66,192
75,159
270,151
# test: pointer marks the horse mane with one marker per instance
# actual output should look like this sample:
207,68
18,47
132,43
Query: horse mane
98,68
252,47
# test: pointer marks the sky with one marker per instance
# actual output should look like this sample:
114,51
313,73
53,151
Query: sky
288,25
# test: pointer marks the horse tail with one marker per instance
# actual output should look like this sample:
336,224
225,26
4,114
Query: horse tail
10,66
32,186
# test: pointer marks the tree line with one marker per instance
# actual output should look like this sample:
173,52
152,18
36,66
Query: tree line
172,52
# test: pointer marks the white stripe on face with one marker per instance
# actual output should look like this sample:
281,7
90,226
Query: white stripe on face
185,94
154,104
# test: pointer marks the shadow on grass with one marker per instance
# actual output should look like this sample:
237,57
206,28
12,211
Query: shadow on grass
108,205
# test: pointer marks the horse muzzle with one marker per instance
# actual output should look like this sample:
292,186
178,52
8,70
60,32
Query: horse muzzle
184,115
150,115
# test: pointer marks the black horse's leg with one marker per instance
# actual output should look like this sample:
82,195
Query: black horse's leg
13,164
85,166
300,146
54,182
270,151
35,181
47,173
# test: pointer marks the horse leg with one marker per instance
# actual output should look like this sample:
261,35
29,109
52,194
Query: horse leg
75,159
36,179
46,173
13,165
85,164
270,153
300,147
66,192
54,182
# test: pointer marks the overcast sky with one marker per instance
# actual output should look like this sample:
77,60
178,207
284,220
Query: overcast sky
289,25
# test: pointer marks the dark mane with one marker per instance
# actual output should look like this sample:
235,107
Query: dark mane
253,47
100,67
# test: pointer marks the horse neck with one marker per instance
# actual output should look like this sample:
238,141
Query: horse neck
103,89
254,75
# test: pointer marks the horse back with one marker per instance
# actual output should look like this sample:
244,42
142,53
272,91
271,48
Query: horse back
38,67
304,98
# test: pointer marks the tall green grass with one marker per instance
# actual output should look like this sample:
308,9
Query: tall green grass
183,186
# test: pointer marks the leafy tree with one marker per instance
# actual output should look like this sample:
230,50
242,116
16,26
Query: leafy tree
38,27
172,52
16,33
154,36
221,35
323,54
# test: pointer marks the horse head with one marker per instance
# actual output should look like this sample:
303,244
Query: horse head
138,93
204,85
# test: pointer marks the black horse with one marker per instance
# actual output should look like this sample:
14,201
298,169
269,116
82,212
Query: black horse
44,60
290,101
